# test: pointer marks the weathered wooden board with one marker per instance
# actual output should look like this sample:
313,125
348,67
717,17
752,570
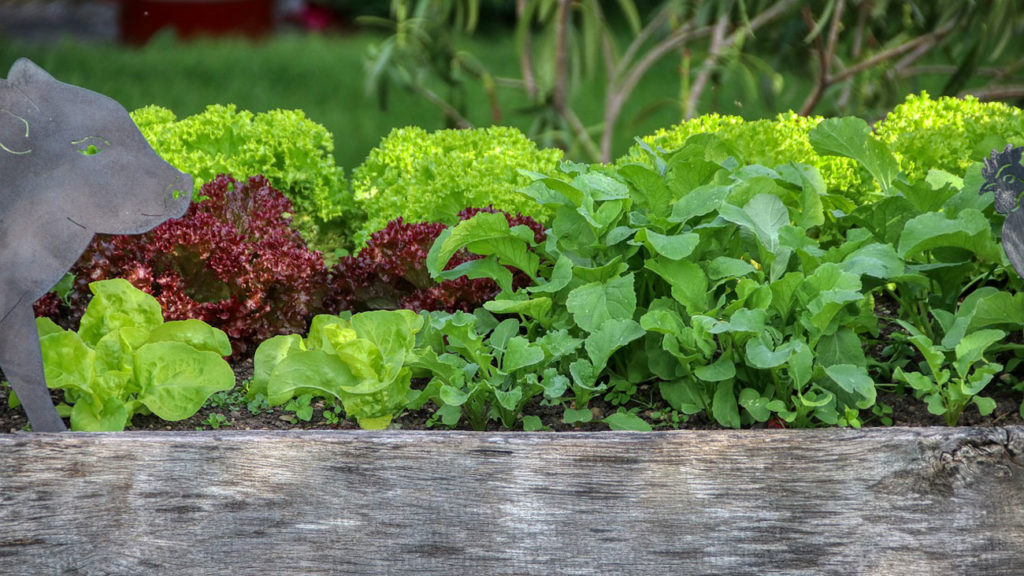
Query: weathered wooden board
881,501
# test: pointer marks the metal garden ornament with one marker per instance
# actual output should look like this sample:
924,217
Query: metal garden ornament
72,164
1004,177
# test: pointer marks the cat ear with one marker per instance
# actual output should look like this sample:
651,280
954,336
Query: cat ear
24,71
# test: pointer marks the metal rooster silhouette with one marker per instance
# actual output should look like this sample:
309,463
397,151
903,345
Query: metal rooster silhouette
1004,177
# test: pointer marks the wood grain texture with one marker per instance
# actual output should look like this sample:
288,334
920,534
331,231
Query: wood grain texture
880,501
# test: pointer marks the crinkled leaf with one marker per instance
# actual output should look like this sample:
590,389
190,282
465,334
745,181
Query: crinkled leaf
116,304
195,333
176,379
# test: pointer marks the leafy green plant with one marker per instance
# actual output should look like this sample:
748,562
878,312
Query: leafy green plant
488,370
701,274
772,142
431,176
292,151
359,359
948,133
215,421
126,360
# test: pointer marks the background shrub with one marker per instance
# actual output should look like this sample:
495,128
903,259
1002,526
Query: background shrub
431,176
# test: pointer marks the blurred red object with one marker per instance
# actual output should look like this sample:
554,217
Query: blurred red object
141,19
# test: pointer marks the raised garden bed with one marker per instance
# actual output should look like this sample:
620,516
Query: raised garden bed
880,501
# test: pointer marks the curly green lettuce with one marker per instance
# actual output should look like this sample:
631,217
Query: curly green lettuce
767,142
291,150
432,176
948,133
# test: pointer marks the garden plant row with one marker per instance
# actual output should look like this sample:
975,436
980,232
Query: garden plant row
780,271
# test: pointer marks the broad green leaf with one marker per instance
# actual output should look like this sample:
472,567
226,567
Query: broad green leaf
483,234
875,260
801,364
601,187
269,354
701,201
304,371
561,275
973,347
724,407
118,304
689,283
755,404
854,380
453,396
651,192
111,417
843,347
683,395
488,267
811,212
722,369
985,405
627,422
672,247
176,379
393,333
851,137
558,343
521,354
575,415
509,399
970,230
533,423
609,337
593,304
763,215
195,333
534,307
68,362
725,267
760,356
1000,308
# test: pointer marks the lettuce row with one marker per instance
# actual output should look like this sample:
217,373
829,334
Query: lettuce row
291,150
431,176
126,360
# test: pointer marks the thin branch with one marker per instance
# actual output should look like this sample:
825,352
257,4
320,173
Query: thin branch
526,53
718,45
449,111
645,34
560,96
896,51
824,62
997,93
582,136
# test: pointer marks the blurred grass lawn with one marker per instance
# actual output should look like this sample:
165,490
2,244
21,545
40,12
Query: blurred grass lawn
324,76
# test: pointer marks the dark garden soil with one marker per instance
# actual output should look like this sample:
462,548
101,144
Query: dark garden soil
906,411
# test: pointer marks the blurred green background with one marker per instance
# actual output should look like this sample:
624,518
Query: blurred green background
324,72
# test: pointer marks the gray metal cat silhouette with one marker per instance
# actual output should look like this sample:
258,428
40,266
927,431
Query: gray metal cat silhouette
72,164
1004,177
